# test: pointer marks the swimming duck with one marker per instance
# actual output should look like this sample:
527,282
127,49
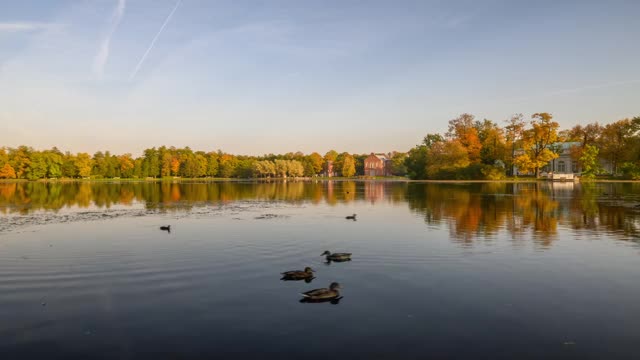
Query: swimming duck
166,228
337,256
351,217
323,293
307,273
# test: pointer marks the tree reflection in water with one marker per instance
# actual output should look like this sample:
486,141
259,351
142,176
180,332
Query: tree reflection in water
471,211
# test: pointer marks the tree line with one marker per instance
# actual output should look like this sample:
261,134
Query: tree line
25,162
482,149
470,149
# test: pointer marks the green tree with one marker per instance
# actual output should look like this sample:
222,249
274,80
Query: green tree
590,163
212,164
151,164
54,159
417,159
398,166
38,166
491,138
68,165
446,156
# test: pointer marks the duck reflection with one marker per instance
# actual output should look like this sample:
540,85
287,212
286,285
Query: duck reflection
335,301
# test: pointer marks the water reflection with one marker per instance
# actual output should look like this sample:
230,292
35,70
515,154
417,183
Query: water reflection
335,301
469,211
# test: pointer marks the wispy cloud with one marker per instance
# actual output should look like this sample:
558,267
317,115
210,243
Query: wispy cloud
102,56
591,87
166,21
579,89
19,26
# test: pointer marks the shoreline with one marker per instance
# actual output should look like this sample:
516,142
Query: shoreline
304,179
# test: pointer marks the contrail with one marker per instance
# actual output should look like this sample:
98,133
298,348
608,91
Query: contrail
166,21
103,53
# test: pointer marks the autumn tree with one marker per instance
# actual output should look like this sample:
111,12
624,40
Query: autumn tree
295,168
617,141
316,162
7,172
462,129
126,164
331,155
20,160
348,166
536,143
166,164
83,164
281,168
175,165
227,165
585,135
513,136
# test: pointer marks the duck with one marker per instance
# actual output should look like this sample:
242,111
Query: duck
337,256
166,228
351,217
305,274
323,293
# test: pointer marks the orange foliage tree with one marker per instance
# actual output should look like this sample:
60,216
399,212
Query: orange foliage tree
463,130
7,172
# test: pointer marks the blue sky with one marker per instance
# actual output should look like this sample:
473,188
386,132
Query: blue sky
255,77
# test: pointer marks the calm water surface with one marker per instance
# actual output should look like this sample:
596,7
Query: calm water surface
482,271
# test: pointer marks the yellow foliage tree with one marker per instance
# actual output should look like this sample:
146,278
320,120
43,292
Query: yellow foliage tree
536,144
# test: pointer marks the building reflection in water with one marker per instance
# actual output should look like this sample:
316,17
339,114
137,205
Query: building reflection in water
470,211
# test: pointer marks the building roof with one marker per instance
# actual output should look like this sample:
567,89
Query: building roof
383,157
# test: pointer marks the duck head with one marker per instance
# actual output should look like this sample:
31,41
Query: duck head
308,270
326,253
335,286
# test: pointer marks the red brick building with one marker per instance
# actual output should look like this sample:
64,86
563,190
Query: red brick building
377,165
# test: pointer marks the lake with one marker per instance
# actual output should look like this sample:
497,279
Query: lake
439,271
